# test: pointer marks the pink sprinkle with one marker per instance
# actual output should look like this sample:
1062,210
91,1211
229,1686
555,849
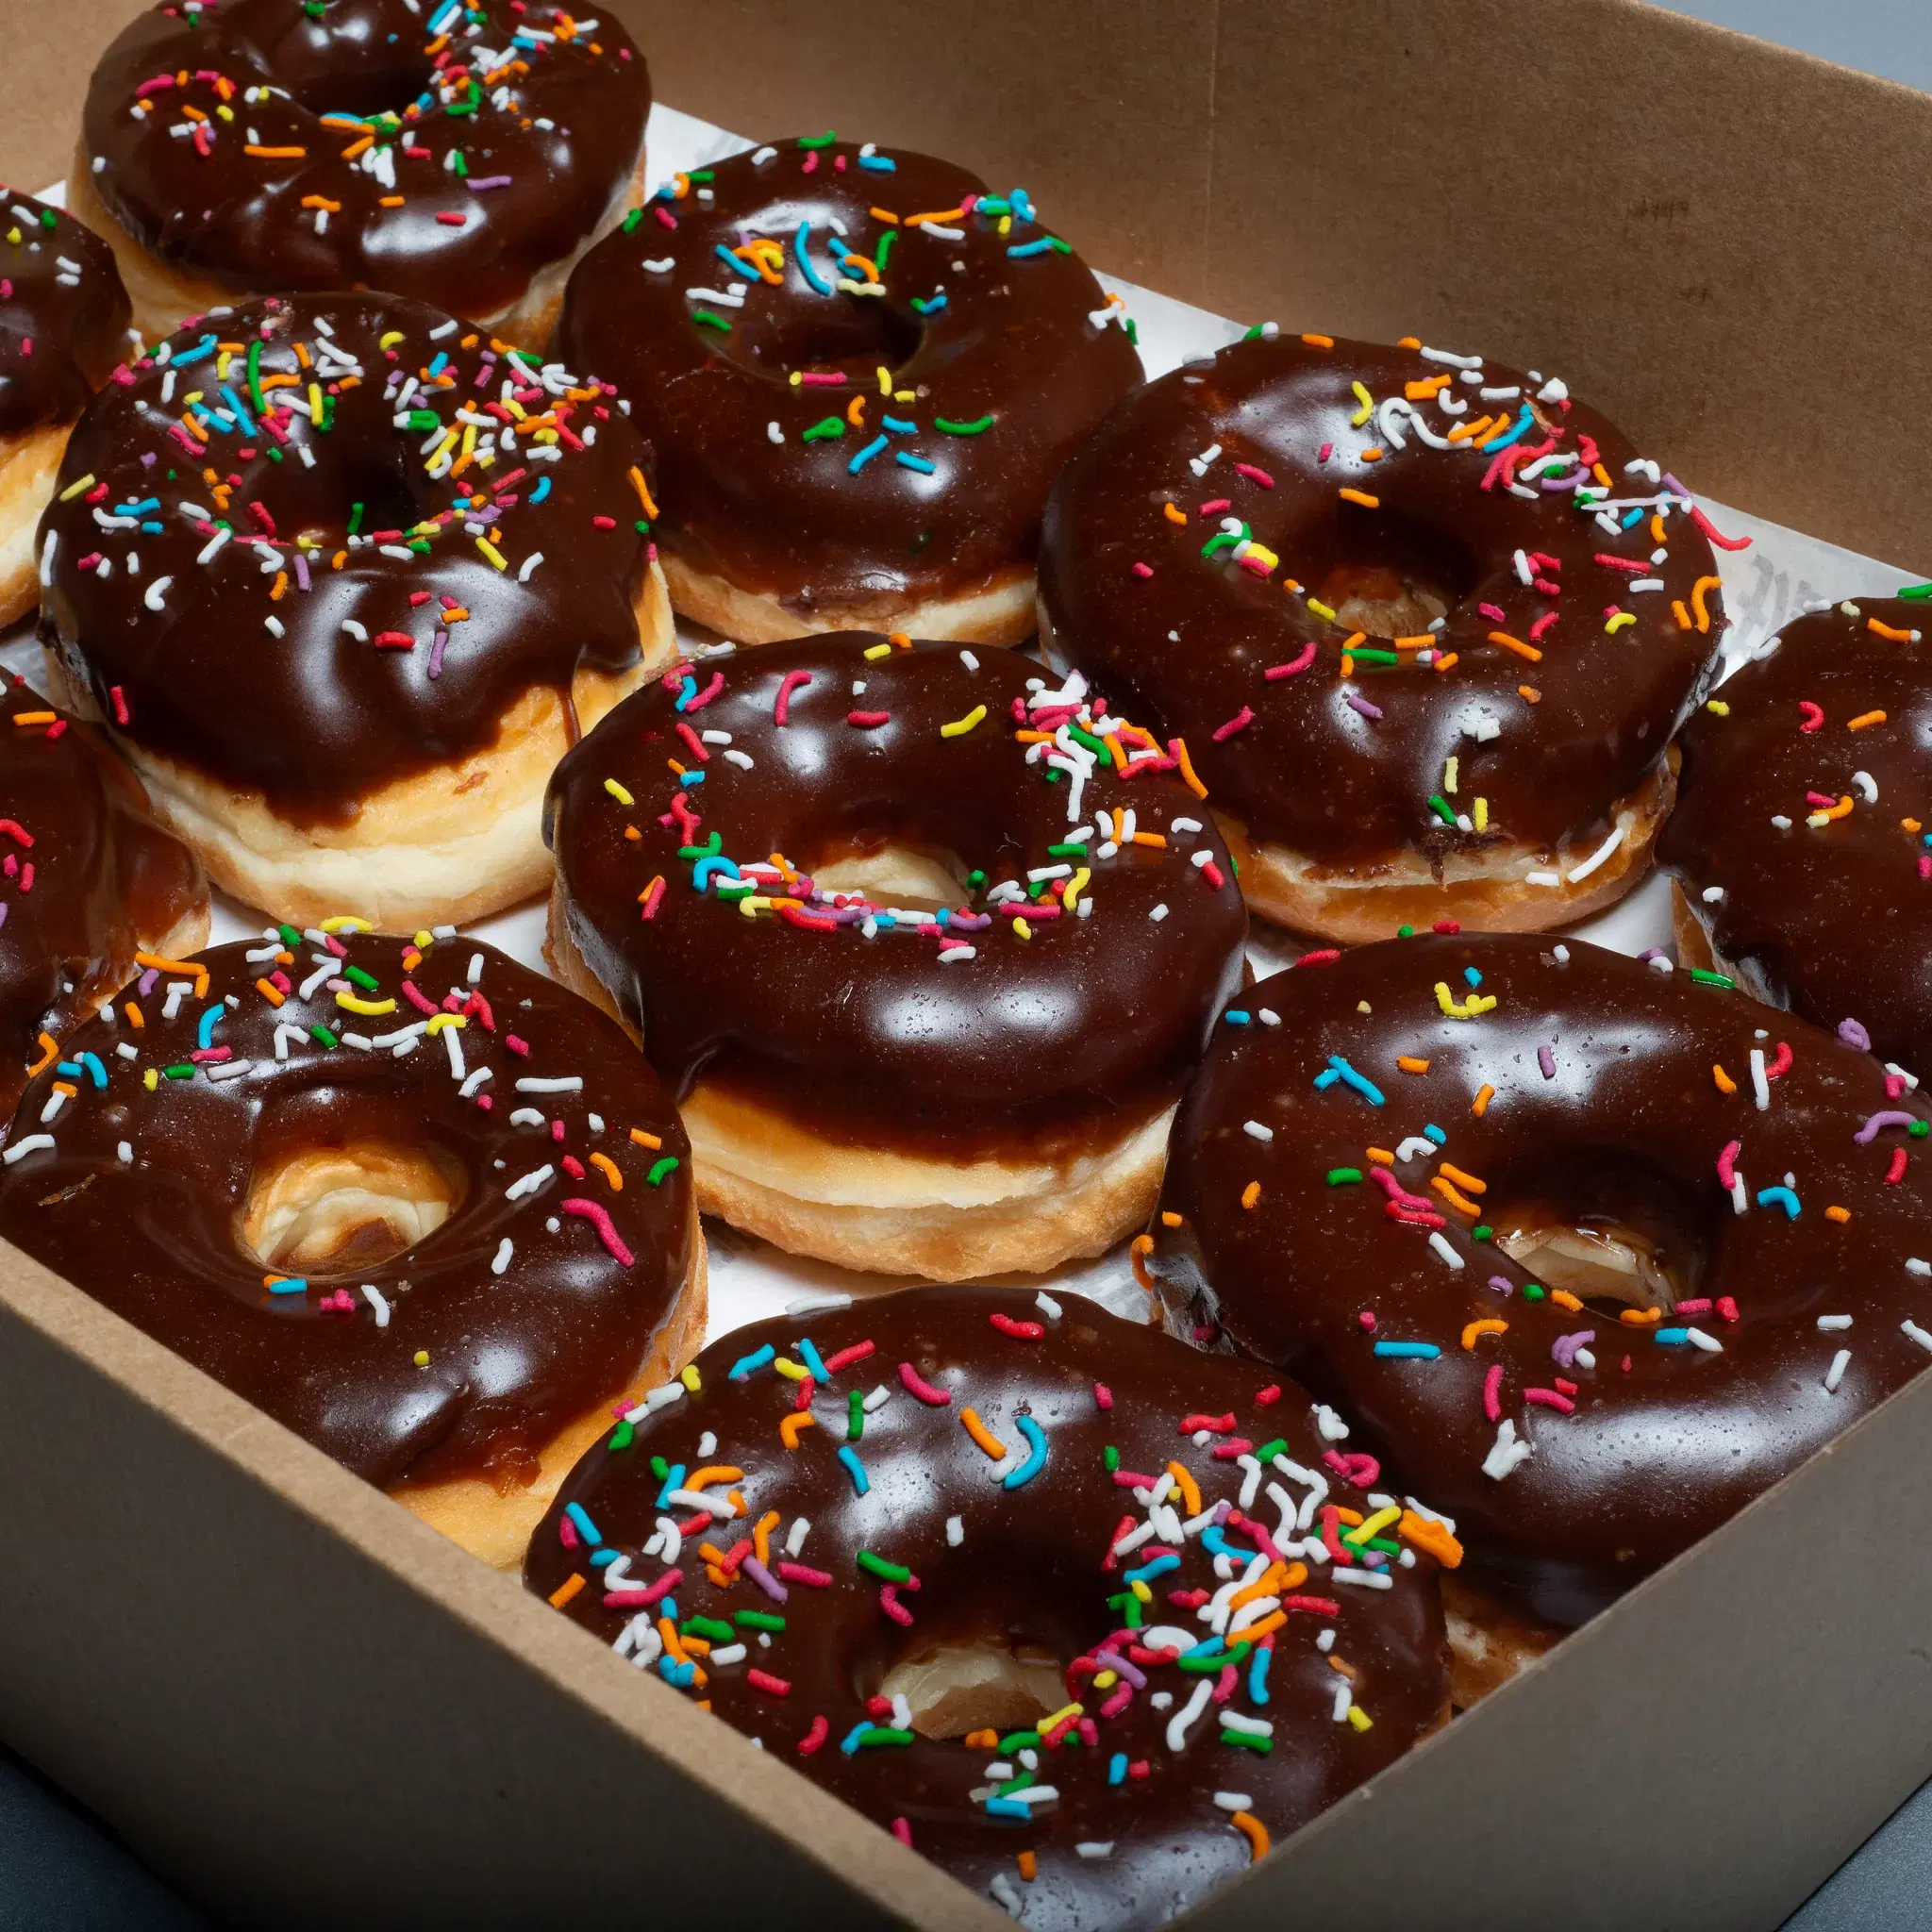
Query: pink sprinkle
1493,611
26,345
1896,1172
917,1383
1143,570
1323,453
1255,476
1540,625
1367,1318
817,379
709,691
649,1595
516,1045
1118,1702
1103,1396
693,742
1726,1170
798,1573
1240,721
901,1830
889,1602
664,214
594,1212
788,684
416,999
1550,1399
1700,1306
1215,505
1275,672
1492,1387
1726,1309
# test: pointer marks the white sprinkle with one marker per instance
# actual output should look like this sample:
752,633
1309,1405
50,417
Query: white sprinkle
1760,1086
1095,1848
1442,1248
1455,361
701,1499
469,1086
1598,857
795,1535
125,1153
1918,1267
955,1531
774,433
1177,1724
505,1249
1001,1887
1709,1343
526,1117
967,658
1158,914
1830,1321
1917,1334
1344,1698
128,1052
878,1399
1835,1373
812,1303
47,550
1257,1130
153,593
1504,1456
1247,1726
378,1302
227,1070
528,1184
1047,1306
1201,463
571,1083
1781,821
1541,878
1368,1579
739,760
529,563
1868,785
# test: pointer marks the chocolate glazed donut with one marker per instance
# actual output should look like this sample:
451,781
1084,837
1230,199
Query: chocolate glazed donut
811,1559
861,372
231,1156
461,153
1428,625
1802,842
1385,1191
63,317
925,969
345,580
87,881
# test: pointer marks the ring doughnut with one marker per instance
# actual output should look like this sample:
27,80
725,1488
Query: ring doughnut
438,1260
1418,686
464,154
1799,858
965,1604
860,371
1605,1252
935,993
64,320
345,660
87,882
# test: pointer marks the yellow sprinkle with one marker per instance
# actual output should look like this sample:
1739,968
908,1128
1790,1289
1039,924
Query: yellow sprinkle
491,552
1022,930
150,1079
1359,1717
1077,884
959,726
1320,609
1450,769
76,488
1476,1003
618,792
1379,1522
342,921
874,652
440,1022
1718,707
792,1371
422,1358
1368,406
1481,815
373,1008
1617,621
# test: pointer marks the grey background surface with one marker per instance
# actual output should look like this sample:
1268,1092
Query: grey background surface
61,1871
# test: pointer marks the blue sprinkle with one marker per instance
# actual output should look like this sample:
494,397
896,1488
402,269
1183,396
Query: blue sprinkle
1435,1133
749,1364
1214,1541
1672,1338
1022,206
702,871
1025,248
800,245
680,1674
150,528
1516,434
852,1737
735,264
1155,1566
1007,1807
599,1558
813,1360
96,1073
692,778
234,402
1035,1436
673,1480
865,456
1208,1646
899,426
542,491
932,304
1235,1017
1782,1198
1417,1351
1258,1675
667,1607
907,460
1117,1768
861,1481
1634,516
878,164
586,1528
199,351
689,692
1473,977
436,368
1338,1069
295,1284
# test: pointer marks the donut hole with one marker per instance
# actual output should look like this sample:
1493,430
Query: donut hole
917,877
954,1689
1607,1266
327,1211
348,64
1388,574
856,333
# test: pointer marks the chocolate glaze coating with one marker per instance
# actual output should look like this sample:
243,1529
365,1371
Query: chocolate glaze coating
1834,920
1310,769
1030,1568
879,1038
1627,1126
513,1357
568,132
313,716
104,879
1014,340
63,314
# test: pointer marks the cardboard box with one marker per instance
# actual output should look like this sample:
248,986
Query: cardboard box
300,1705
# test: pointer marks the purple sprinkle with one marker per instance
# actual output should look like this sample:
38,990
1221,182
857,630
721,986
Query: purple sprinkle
1502,1284
1563,1350
765,1579
3,911
1364,705
1648,954
302,572
481,181
1547,1062
147,980
147,459
1115,1662
1671,484
1854,1035
436,644
1891,1117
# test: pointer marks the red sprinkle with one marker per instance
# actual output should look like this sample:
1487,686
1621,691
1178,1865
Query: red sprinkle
1493,1384
763,1680
1020,1331
1325,957
920,1387
867,721
1240,721
1103,1396
1221,1425
846,1356
1264,1396
820,1731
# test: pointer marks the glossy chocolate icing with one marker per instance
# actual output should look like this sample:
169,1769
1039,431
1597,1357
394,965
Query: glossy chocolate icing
1030,1568
1341,768
63,314
1627,1126
1832,919
244,673
561,115
85,879
511,1357
1014,339
880,1037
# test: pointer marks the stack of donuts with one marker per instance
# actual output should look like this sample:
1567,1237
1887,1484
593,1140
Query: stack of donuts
366,427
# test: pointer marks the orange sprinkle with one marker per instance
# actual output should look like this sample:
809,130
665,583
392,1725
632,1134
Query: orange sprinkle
1179,748
1256,1833
713,1473
642,489
979,1740
645,1139
1276,1619
1516,644
761,1535
1412,343
609,1171
981,1434
1682,615
1886,630
566,1590
1360,496
1725,1083
1839,1214
880,214
1454,1199
1698,591
1640,1318
1141,1246
1319,342
1369,456
275,154
1174,513
789,1428
1432,1538
269,991
1410,1064
33,717
1028,1863
1490,1325
1169,1218
156,960
1446,663
1564,1299
1251,1193
1421,392
50,1052
1530,694
1380,1156
133,1014
1190,1489
1464,1180
1480,1105
1865,718
1264,1584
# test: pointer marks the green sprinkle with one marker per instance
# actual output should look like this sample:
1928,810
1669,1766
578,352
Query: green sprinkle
1066,851
254,375
1439,805
355,976
46,218
1133,329
975,879
824,139
883,1567
1404,932
702,174
1704,978
320,1032
660,1168
855,1415
1482,1231
946,426
830,425
710,1628
1372,653
181,1073
882,1734
1342,1176
1111,1456
756,1620
1017,1740
1211,1666
1128,1604
642,526
462,166
1269,1450
886,242
631,220
1096,745
1248,1742
288,936
1915,591
1919,1130
622,1437
1532,1292
707,850
660,1468
355,509
705,317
